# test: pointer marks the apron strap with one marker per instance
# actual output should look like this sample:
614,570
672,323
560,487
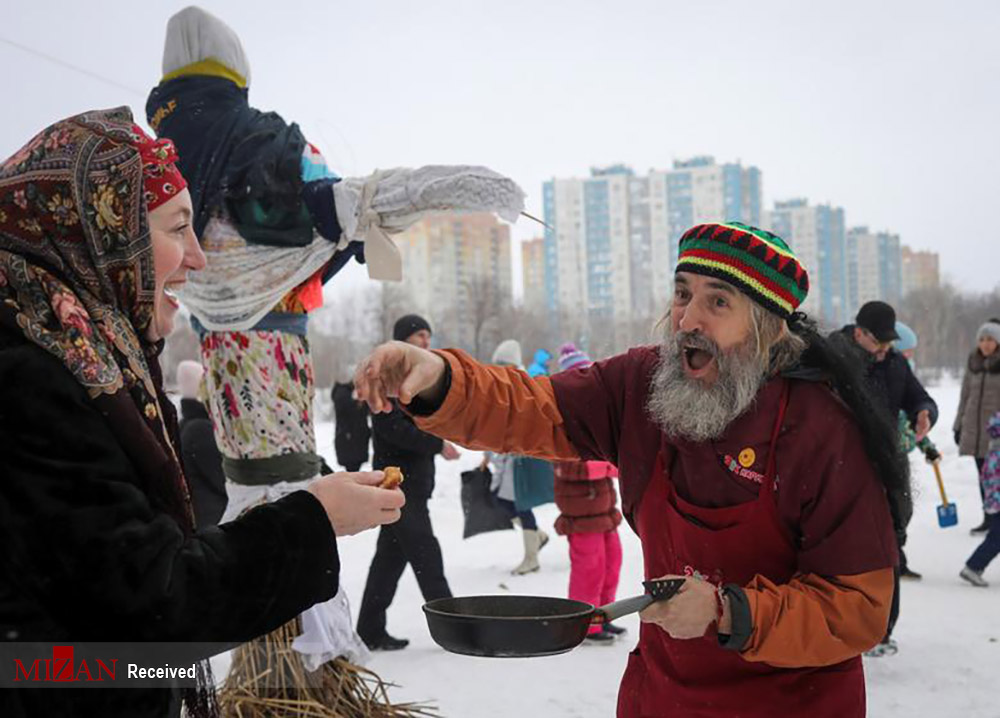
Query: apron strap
769,472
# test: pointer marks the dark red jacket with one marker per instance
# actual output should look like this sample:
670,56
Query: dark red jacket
586,497
829,496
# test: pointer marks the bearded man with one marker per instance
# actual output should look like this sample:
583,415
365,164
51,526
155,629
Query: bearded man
751,462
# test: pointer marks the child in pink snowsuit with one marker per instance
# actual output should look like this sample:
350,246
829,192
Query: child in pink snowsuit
589,518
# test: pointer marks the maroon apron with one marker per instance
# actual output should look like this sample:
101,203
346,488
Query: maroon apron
697,677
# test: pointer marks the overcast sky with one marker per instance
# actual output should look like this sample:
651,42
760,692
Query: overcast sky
889,109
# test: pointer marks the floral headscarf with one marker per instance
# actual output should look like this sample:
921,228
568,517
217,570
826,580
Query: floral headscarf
77,279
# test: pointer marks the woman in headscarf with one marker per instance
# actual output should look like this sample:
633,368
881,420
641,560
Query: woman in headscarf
96,528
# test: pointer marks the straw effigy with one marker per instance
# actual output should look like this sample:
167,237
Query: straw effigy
268,680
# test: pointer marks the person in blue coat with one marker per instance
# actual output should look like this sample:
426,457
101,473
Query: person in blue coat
540,366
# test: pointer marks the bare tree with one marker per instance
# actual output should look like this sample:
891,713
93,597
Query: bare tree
530,327
393,302
946,323
480,313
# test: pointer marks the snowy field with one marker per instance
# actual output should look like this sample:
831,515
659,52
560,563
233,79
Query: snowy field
948,632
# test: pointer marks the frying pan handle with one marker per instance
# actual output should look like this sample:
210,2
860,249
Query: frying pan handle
616,610
658,591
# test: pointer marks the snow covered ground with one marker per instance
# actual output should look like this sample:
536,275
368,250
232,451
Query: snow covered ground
948,632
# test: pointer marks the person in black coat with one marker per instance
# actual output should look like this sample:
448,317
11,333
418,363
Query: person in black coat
351,432
398,442
199,452
892,381
97,535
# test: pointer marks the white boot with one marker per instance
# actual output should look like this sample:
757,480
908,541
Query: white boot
974,577
533,541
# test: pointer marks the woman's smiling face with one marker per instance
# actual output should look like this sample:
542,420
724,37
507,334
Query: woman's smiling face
175,252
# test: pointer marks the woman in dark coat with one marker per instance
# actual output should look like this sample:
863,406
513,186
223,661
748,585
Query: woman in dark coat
97,536
979,401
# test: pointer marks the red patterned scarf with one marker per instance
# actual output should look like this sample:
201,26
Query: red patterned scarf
76,276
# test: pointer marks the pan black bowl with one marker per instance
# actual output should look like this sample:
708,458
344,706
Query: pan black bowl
508,626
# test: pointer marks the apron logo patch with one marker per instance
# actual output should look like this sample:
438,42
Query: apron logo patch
738,468
747,457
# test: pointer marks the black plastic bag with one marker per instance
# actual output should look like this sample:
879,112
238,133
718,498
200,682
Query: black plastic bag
483,511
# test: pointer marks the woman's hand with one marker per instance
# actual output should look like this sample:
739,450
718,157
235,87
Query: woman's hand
354,502
690,612
399,370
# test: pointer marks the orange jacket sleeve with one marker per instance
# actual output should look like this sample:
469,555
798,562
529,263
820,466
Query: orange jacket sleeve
816,621
500,409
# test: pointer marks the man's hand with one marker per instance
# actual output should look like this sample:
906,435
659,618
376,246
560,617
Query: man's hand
923,426
398,370
689,613
449,451
354,503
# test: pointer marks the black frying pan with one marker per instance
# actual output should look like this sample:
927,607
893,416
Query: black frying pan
523,626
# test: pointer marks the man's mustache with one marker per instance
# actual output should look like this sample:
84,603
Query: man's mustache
695,340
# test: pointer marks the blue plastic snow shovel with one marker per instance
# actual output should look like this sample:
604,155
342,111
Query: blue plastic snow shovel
947,513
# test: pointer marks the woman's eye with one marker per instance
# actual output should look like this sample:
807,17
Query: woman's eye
721,302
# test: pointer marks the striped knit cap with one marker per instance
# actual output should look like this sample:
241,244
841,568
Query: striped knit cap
753,260
570,356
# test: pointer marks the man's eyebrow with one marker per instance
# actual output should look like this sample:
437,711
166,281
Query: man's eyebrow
722,286
185,212
680,280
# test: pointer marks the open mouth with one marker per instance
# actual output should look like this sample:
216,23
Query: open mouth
696,359
171,293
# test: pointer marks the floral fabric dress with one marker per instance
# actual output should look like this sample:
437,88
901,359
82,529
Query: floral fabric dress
259,387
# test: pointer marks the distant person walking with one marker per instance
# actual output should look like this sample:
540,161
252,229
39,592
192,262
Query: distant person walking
398,442
352,433
989,482
894,388
980,400
508,353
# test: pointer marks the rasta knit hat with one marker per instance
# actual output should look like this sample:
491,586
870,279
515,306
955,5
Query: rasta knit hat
753,260
406,327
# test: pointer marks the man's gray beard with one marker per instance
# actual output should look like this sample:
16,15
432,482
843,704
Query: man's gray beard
693,410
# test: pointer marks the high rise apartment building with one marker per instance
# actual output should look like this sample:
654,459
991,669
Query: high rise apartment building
695,191
920,270
612,239
874,269
452,265
816,235
533,273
